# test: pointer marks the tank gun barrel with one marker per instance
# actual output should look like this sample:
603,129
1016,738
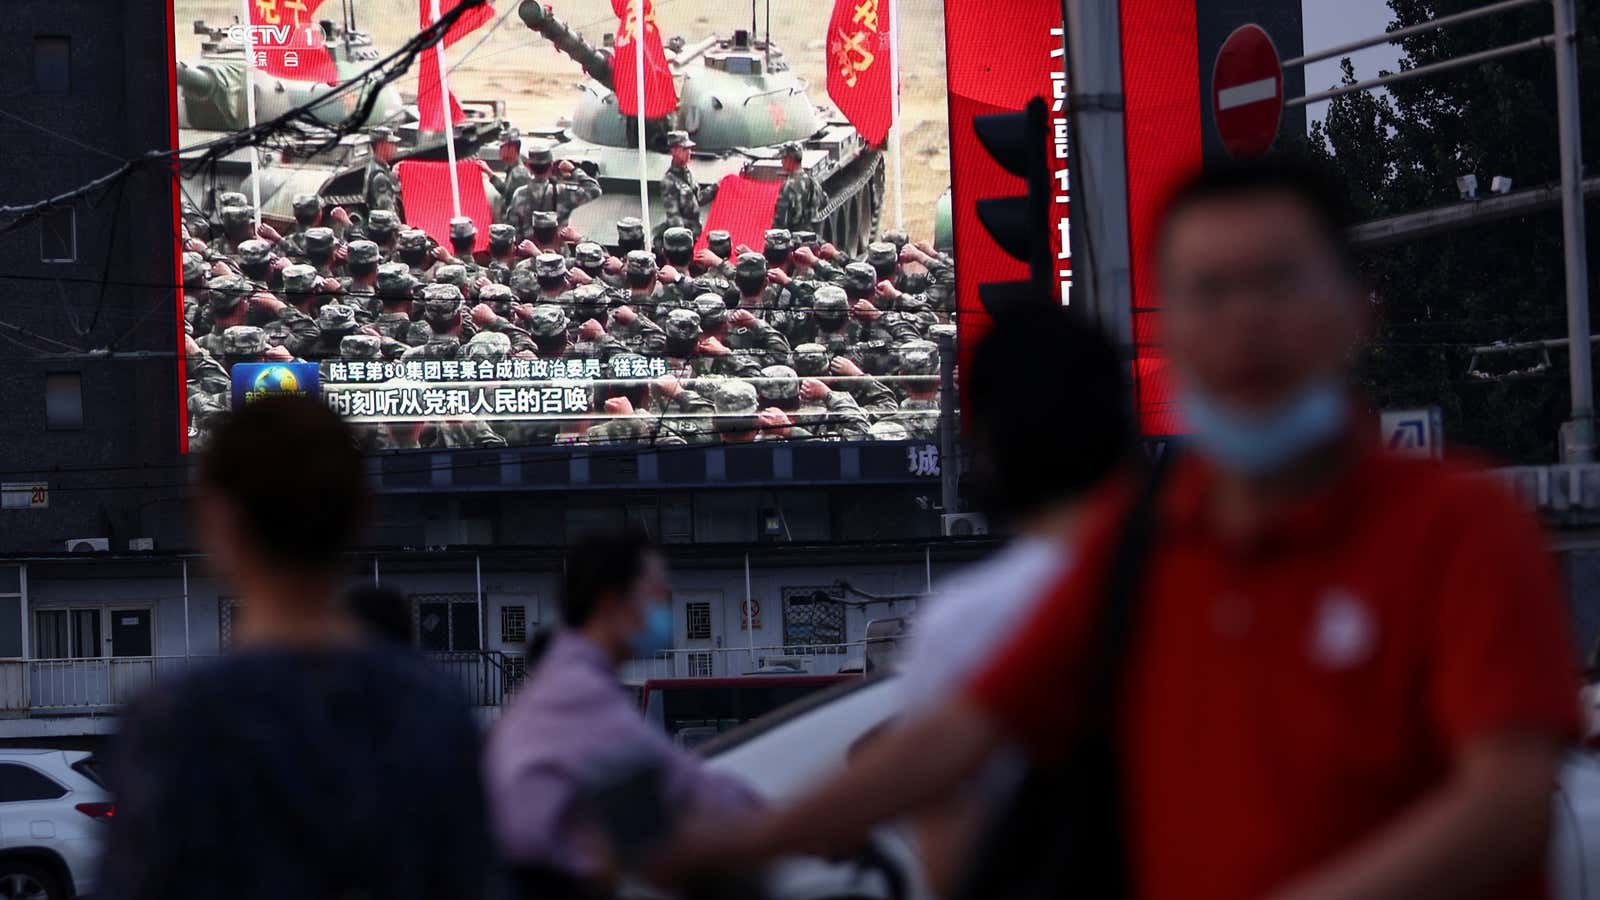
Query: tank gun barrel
537,18
198,81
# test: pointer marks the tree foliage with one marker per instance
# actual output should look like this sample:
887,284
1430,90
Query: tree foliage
1437,297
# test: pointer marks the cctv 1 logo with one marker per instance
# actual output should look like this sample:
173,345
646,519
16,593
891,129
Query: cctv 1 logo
261,381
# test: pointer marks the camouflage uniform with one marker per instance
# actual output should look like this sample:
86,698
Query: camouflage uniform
640,266
801,198
394,282
681,195
501,299
551,194
442,309
506,186
382,227
413,241
871,396
255,261
382,187
919,416
463,237
235,219
759,342
630,235
457,275
334,323
779,387
591,258
307,210
225,294
363,296
194,293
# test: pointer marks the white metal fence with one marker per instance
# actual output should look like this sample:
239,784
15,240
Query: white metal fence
718,662
86,685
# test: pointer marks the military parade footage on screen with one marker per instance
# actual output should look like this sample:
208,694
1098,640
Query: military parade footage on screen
775,263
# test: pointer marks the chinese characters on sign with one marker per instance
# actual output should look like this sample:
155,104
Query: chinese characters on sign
923,460
1061,150
462,387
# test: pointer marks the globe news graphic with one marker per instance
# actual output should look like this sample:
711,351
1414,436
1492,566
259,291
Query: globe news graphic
277,380
261,381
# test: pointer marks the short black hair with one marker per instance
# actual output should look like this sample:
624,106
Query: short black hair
290,467
1049,408
597,564
1313,185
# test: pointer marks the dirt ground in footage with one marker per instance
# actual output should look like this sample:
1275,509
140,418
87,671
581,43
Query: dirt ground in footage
506,61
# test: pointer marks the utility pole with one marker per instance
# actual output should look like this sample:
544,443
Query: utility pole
1577,436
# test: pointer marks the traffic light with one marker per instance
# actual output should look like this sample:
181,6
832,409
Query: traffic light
1020,225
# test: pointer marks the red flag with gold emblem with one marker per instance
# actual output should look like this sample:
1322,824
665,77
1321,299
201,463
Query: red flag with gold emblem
861,66
660,93
289,43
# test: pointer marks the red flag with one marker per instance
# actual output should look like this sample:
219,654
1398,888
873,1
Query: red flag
288,41
743,208
861,67
660,93
429,107
426,186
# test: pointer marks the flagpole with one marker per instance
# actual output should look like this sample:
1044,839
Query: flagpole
444,109
894,125
250,106
638,83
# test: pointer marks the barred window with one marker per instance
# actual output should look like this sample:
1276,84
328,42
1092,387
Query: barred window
813,616
697,622
516,671
700,665
514,624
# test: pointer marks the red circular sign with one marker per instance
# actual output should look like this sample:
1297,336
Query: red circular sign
1247,92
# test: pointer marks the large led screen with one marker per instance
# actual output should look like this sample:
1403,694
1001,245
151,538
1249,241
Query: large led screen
775,262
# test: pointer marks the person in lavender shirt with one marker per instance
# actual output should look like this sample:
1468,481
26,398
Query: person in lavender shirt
573,721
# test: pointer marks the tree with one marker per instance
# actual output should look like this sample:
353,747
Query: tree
1437,297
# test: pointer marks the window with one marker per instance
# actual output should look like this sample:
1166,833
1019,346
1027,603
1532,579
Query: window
19,784
513,624
58,235
700,665
66,634
63,400
11,624
52,65
516,671
813,616
697,621
446,623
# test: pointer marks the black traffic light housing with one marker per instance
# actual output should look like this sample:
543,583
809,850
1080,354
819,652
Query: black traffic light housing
1020,225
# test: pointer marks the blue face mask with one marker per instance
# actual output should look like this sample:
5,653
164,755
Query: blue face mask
655,634
1263,443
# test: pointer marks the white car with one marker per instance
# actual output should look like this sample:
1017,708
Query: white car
1575,838
53,811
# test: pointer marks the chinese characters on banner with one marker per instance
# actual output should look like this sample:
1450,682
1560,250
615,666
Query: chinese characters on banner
507,388
288,42
861,67
660,93
1060,152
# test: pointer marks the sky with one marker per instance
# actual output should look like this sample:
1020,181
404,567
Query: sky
1329,23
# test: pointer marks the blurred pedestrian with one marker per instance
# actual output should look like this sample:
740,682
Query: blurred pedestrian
1347,674
1039,453
382,611
572,725
315,761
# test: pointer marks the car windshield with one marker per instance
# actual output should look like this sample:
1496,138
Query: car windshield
90,769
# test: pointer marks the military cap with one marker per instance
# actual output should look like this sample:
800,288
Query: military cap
544,218
243,340
360,346
915,282
679,139
227,292
511,136
547,320
589,254
682,324
941,331
778,384
194,270
381,134
497,293
236,215
711,309
919,357
882,253
677,238
453,274
806,239
707,284
319,240
778,239
524,283
501,233
792,150
364,252
860,276
897,237
888,431
300,278
811,359
487,345
395,279
830,298
641,261
382,220
441,299
232,198
305,204
590,298
413,239
736,396
254,252
550,265
462,227
539,153
337,317
630,227
750,265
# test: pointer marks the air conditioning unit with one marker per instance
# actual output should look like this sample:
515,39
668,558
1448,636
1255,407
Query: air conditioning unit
141,543
964,525
88,545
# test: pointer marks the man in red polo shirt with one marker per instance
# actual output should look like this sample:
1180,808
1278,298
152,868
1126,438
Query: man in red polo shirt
1350,675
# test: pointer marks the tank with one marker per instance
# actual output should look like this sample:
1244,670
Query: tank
740,102
211,102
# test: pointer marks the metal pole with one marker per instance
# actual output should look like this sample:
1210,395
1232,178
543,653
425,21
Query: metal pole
927,562
477,571
444,110
184,564
949,474
250,106
894,123
638,84
1578,445
1470,59
749,613
375,572
1390,37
